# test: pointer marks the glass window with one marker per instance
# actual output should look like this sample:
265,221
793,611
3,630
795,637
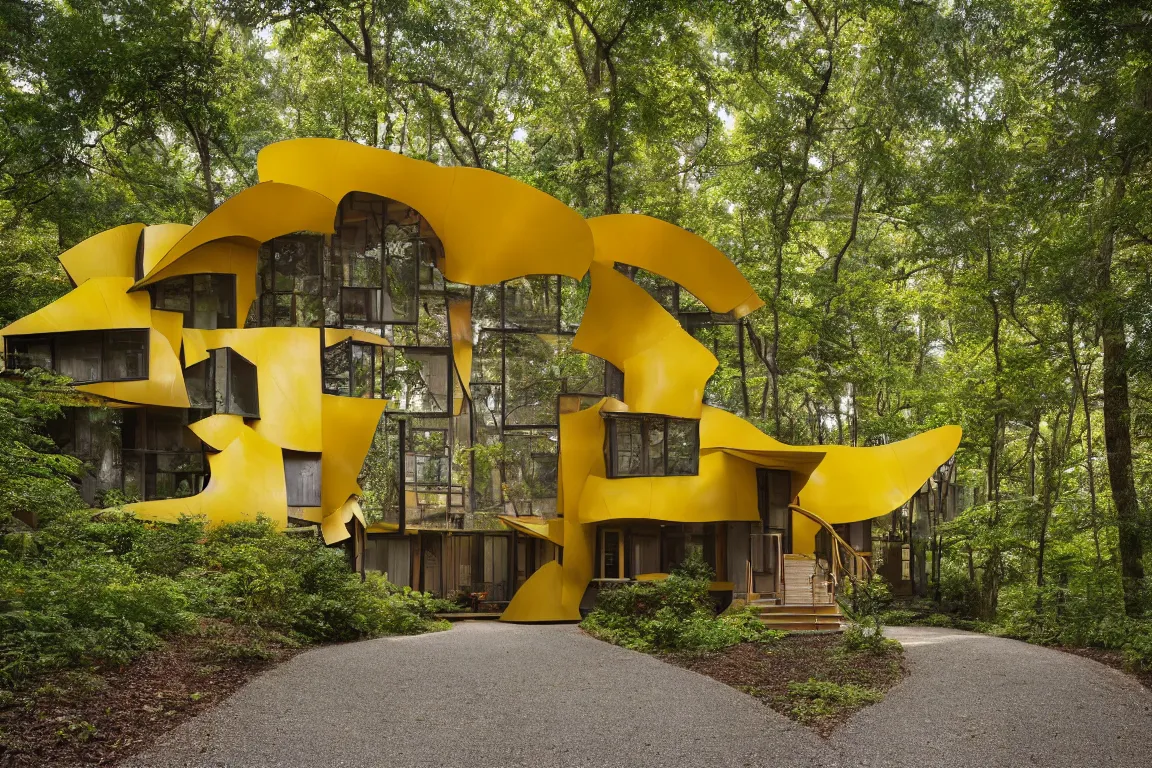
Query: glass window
628,446
422,378
85,356
29,352
125,355
243,390
610,547
206,301
647,445
289,280
380,249
655,448
532,303
353,369
226,382
682,447
531,380
645,553
79,355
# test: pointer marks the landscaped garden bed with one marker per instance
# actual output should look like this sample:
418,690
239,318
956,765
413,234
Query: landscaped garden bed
819,680
113,631
100,716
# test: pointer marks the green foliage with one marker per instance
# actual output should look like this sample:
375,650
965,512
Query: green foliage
98,589
866,598
34,475
672,615
818,699
867,636
898,617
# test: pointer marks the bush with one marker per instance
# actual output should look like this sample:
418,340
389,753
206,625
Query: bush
866,636
93,589
897,618
866,598
673,615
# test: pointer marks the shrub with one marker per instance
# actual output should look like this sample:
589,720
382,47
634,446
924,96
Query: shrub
897,618
673,615
866,636
866,598
99,588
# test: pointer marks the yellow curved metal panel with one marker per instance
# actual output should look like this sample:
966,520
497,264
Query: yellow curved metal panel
222,257
100,303
548,530
288,376
333,336
247,481
348,426
853,484
539,598
725,489
111,253
164,385
158,240
460,329
665,369
219,430
493,228
252,217
171,327
334,527
677,254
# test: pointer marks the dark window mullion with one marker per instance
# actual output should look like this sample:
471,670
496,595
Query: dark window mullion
665,457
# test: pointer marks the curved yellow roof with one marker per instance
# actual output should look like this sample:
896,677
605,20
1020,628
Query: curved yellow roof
111,253
493,228
676,254
665,369
250,217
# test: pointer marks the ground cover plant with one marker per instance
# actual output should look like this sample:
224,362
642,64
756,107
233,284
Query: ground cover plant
819,680
816,679
675,615
111,628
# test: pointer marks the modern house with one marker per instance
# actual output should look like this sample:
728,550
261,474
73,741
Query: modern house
458,378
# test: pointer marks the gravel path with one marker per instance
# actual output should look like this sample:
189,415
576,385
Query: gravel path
490,694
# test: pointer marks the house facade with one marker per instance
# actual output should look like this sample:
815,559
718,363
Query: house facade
457,377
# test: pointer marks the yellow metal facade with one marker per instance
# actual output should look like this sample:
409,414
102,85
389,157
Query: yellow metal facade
492,229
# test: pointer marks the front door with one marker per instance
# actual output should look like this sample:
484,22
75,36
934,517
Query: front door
611,553
774,540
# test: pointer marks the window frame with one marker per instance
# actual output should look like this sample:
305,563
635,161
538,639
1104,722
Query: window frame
611,449
211,363
53,339
345,373
190,313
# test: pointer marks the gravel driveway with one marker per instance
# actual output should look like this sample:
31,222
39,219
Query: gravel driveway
490,694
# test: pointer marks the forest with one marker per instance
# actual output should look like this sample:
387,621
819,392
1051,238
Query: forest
945,204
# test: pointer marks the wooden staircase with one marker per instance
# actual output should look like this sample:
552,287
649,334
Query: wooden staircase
807,605
800,618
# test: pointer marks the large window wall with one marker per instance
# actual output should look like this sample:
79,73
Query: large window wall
206,301
84,356
140,453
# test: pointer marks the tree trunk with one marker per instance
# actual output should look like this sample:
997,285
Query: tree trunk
1117,412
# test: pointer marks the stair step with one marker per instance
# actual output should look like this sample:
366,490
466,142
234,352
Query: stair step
793,610
805,626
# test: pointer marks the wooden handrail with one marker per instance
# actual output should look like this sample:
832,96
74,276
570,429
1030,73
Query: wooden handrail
838,565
